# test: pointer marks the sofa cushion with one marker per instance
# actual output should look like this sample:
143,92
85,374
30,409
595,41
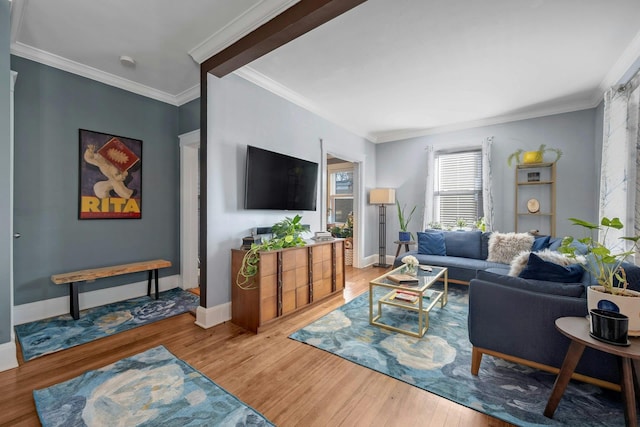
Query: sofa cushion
540,286
540,269
463,269
503,247
522,259
431,243
540,243
465,244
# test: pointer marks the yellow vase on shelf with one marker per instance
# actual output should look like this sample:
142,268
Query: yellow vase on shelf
529,157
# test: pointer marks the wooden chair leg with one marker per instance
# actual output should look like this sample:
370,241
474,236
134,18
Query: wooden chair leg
476,358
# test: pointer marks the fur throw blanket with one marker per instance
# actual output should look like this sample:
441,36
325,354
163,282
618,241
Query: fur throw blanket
520,261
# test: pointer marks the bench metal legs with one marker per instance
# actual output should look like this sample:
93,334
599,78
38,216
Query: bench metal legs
74,308
152,272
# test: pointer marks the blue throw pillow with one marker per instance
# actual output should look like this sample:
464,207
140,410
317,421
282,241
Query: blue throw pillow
539,269
431,243
540,243
540,286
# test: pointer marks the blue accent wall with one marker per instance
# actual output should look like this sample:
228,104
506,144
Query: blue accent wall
189,116
6,240
50,106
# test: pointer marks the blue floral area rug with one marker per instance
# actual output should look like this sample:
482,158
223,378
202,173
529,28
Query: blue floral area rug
440,362
58,333
149,389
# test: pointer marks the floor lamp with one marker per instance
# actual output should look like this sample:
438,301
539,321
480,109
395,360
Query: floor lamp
382,197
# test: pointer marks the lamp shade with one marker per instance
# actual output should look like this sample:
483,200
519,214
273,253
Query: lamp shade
382,196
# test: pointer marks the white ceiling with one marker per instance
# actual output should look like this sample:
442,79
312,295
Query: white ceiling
386,70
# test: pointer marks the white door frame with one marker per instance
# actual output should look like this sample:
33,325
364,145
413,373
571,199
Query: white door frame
358,200
189,221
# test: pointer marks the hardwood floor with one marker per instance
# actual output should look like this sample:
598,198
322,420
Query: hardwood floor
292,384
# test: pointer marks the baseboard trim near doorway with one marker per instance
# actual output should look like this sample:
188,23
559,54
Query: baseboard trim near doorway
8,359
212,316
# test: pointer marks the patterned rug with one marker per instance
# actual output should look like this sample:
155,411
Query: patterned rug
440,362
58,333
149,389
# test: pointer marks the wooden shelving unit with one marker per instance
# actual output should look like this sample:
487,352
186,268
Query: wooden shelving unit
535,181
287,281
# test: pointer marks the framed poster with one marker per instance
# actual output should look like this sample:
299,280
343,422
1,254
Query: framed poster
110,176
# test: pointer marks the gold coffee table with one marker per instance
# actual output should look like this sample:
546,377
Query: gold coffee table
420,290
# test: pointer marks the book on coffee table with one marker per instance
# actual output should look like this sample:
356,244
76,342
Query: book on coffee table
403,279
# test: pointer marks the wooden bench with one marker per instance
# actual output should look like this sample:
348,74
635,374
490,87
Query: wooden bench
92,274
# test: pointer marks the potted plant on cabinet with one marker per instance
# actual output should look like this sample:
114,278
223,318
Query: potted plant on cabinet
530,157
286,234
606,267
404,235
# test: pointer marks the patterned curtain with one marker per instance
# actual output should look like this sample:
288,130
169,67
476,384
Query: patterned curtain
619,173
429,191
487,182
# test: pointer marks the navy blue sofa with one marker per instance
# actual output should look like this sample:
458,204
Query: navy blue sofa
514,318
466,254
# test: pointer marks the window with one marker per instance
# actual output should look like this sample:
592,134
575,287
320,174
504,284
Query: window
458,187
340,193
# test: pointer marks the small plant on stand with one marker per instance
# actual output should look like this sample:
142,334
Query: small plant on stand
461,223
404,221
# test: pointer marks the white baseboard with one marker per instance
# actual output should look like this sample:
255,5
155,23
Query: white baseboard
8,359
373,259
208,317
38,310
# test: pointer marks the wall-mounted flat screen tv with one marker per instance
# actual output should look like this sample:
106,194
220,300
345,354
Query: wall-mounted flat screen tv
280,182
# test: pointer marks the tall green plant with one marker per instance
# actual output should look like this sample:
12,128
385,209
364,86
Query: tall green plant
602,263
404,220
286,234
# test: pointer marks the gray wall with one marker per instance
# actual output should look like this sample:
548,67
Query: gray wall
5,177
50,106
402,165
189,116
241,114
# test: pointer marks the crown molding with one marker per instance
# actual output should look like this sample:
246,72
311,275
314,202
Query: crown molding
55,61
276,88
252,18
188,95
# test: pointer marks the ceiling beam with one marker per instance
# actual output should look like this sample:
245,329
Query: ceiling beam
299,19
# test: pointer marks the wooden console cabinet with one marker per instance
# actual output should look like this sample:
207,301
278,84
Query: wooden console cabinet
287,280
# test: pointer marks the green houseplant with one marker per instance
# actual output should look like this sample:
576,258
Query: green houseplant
536,156
404,235
602,263
605,265
286,234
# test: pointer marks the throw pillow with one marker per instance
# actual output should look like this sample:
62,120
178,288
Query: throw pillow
539,269
465,244
503,247
522,259
540,243
431,243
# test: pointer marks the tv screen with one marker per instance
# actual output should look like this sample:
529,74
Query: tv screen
280,182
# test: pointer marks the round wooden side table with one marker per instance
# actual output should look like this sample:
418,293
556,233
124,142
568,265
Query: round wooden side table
577,330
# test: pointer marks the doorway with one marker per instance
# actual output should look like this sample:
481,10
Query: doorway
341,207
189,210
